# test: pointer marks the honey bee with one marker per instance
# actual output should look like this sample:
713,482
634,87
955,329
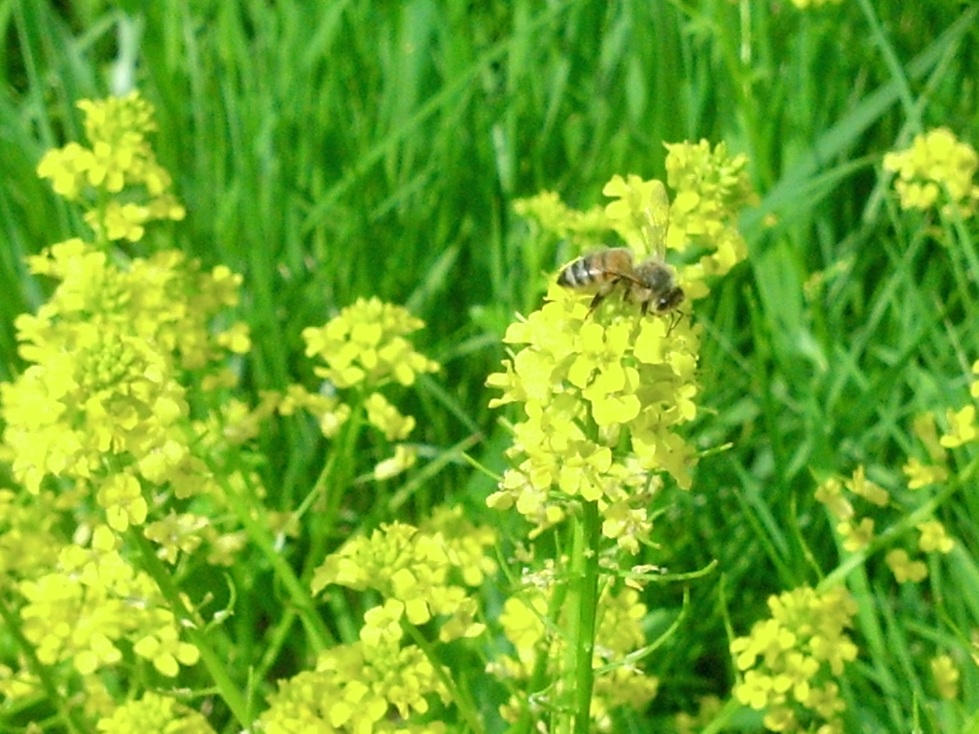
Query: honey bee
651,283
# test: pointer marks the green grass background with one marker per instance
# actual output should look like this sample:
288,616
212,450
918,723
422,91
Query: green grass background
330,150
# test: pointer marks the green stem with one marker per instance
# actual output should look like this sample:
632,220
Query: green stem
192,624
251,514
332,485
582,605
463,701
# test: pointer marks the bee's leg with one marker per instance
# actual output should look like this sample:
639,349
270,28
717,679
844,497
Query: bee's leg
645,307
601,294
674,320
599,297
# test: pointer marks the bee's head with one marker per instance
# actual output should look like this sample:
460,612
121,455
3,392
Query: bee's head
669,300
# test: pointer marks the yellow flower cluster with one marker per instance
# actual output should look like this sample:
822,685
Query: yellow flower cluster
120,157
619,635
946,675
790,660
365,348
425,571
711,187
103,401
366,345
367,686
153,712
379,683
857,533
98,427
603,393
94,600
936,167
551,215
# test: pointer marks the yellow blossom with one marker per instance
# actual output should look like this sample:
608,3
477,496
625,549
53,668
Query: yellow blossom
933,538
788,657
856,536
154,713
863,487
946,675
936,166
386,418
921,475
830,494
422,571
962,427
903,568
366,343
120,160
404,457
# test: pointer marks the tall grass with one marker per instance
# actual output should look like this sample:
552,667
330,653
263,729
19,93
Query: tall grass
329,151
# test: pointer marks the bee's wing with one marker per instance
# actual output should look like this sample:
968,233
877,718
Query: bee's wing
657,224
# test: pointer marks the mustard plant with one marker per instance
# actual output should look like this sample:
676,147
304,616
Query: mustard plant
603,398
115,425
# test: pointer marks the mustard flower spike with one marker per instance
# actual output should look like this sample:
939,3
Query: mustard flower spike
709,181
153,712
420,570
785,654
937,166
120,158
366,344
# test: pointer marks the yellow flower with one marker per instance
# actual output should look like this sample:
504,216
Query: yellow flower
788,657
933,538
936,166
903,568
366,343
962,427
946,675
165,650
386,418
154,713
120,159
830,494
856,536
863,487
921,475
404,458
421,570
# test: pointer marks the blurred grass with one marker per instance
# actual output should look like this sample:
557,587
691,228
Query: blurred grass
330,151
